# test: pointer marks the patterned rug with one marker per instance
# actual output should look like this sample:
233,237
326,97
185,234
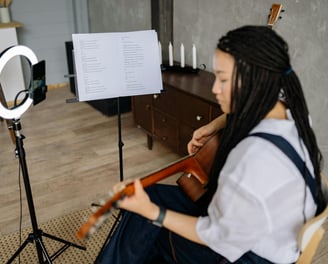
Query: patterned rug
64,228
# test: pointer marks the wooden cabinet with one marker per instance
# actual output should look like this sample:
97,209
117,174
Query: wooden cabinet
185,104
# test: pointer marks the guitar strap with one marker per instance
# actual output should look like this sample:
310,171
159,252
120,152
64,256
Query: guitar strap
288,149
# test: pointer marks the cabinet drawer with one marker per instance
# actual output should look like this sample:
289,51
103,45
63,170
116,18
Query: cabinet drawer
184,107
194,112
142,111
169,101
166,129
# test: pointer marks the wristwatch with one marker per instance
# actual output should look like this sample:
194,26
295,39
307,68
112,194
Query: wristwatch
160,219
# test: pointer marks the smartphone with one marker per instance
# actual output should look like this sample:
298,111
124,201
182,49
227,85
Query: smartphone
38,87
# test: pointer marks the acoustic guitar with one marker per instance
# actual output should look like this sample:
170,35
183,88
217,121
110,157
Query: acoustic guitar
198,165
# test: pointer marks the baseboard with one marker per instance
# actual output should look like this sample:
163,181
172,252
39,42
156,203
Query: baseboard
58,85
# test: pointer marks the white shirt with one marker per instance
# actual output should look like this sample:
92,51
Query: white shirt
259,203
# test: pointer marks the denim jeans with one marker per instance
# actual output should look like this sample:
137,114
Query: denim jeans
137,241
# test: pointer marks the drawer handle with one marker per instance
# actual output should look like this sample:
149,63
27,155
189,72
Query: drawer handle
199,117
163,119
148,106
164,138
155,96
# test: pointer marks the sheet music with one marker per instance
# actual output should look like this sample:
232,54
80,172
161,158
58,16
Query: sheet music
110,65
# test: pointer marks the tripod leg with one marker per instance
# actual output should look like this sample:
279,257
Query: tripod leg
66,245
40,247
19,250
64,241
41,250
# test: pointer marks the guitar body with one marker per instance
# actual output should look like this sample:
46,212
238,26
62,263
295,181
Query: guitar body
198,165
193,187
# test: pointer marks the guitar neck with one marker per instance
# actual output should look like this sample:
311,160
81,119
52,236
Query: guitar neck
275,11
188,164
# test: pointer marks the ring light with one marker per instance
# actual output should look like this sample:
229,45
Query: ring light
4,58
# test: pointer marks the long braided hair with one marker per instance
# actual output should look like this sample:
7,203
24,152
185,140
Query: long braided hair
262,71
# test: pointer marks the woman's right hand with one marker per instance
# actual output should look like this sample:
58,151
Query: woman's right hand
202,134
199,138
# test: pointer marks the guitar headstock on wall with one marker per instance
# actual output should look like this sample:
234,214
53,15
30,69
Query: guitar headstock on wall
275,11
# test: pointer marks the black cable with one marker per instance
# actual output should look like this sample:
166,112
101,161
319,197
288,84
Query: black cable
24,91
16,98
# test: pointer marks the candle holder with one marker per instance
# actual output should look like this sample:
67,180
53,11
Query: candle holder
178,68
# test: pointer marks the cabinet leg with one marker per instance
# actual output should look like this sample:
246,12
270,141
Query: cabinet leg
150,142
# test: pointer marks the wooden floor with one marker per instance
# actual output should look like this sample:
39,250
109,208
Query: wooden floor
72,158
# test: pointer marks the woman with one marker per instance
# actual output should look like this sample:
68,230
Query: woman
257,200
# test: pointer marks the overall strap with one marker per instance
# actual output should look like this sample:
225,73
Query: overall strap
288,149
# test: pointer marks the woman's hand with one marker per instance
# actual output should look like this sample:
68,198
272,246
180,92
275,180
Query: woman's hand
139,203
202,134
199,138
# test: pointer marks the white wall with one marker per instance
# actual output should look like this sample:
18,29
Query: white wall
47,25
116,16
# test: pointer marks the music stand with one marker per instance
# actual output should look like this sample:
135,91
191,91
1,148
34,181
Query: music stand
132,56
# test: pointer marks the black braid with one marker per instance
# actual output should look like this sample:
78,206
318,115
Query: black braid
261,71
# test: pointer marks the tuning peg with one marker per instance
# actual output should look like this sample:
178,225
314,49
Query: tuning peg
91,231
84,218
94,208
100,221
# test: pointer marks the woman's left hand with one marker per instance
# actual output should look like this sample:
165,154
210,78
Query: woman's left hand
139,203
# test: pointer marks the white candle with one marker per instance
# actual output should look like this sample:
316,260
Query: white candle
170,54
160,52
194,57
182,56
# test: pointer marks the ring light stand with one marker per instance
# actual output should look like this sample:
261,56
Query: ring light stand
14,115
